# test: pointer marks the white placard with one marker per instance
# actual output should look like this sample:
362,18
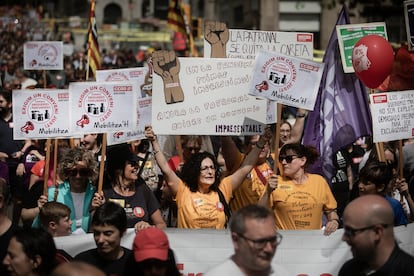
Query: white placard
43,55
144,101
99,107
304,252
392,115
288,80
40,114
247,43
214,101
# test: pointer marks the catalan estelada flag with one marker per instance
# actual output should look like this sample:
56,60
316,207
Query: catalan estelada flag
94,58
175,17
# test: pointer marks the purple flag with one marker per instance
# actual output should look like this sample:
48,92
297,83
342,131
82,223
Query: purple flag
341,113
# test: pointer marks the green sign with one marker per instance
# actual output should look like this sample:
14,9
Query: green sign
348,36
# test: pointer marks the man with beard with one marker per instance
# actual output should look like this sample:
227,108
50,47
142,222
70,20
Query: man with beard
109,224
255,241
369,231
11,153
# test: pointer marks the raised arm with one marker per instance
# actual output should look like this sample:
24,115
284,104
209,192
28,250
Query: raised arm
270,187
169,175
250,161
231,153
297,128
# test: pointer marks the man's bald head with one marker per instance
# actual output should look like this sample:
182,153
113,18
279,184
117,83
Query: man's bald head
77,268
369,210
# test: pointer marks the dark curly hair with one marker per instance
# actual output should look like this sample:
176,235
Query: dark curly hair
309,152
191,171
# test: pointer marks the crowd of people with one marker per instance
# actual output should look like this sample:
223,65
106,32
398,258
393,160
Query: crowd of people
185,182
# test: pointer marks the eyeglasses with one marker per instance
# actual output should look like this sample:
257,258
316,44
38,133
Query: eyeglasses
351,232
83,172
261,243
195,149
288,158
206,168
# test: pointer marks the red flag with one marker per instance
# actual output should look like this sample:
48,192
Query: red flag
176,18
94,58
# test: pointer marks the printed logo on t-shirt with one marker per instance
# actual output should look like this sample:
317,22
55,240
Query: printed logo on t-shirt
220,206
119,201
285,187
139,212
198,202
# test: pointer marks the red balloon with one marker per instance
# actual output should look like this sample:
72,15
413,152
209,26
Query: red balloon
372,59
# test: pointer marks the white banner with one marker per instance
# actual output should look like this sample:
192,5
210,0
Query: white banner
43,55
287,80
301,252
144,101
99,107
40,114
392,115
247,43
208,97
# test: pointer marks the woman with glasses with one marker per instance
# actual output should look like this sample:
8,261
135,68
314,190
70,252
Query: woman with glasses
127,188
191,144
201,196
298,198
78,170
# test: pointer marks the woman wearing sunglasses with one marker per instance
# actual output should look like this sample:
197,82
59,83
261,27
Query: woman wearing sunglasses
78,170
299,198
127,188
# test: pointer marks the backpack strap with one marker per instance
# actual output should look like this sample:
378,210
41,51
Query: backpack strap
227,211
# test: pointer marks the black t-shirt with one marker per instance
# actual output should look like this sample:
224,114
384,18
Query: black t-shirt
398,264
111,268
4,243
138,207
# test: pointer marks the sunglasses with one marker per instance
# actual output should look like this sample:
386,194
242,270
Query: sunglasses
195,149
288,158
83,172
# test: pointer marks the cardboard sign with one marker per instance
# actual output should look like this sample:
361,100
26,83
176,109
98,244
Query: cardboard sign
247,43
43,55
144,101
206,97
40,114
349,34
99,107
392,115
287,80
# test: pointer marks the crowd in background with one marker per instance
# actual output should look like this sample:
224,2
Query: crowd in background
150,181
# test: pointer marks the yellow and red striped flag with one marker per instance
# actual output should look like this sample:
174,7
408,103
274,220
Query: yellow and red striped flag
94,58
175,18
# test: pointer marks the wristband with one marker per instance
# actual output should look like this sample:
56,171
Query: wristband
301,115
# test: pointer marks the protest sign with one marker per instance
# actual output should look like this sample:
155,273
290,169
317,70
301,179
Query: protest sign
205,97
144,101
287,80
409,22
40,114
43,55
247,43
304,252
349,34
392,115
99,107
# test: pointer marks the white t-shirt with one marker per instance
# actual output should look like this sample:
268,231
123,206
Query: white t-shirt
78,201
229,267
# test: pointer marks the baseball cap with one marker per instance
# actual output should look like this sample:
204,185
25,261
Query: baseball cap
150,243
